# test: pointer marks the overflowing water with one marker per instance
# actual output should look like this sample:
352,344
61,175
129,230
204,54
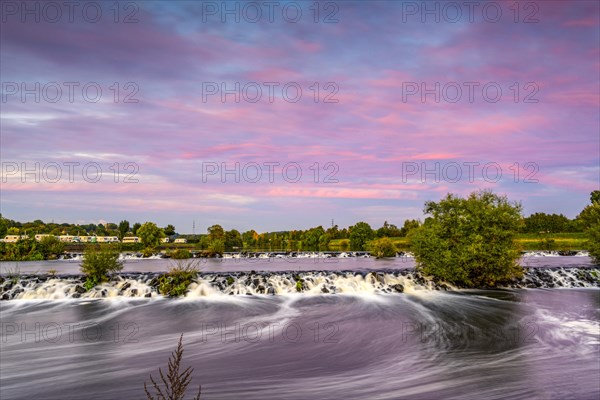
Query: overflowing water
358,329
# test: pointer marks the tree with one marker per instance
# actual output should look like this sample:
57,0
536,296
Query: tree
250,238
324,240
123,229
3,226
552,223
310,238
150,234
98,262
233,240
216,232
169,230
593,234
360,234
383,247
388,230
590,220
469,242
135,228
595,196
409,225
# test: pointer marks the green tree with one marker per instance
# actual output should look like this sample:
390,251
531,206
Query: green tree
310,238
324,240
98,262
150,234
3,226
469,242
552,223
590,220
360,234
135,228
123,229
595,196
409,225
216,232
169,230
233,240
593,234
383,247
249,239
388,230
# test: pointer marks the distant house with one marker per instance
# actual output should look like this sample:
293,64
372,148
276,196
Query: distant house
131,239
41,236
14,238
107,239
66,238
164,240
180,240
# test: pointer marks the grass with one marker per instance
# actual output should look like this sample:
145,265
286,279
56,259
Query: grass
528,241
174,385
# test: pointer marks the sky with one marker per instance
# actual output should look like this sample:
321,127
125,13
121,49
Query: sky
288,115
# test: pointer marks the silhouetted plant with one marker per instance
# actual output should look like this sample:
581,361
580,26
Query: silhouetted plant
174,384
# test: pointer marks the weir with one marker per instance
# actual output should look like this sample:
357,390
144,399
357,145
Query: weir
384,282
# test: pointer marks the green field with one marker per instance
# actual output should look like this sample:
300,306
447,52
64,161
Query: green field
527,241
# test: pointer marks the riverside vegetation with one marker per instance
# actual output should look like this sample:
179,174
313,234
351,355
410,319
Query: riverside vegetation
539,231
174,385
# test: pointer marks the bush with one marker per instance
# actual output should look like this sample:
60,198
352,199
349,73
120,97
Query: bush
469,242
181,254
98,262
175,282
147,252
51,247
383,247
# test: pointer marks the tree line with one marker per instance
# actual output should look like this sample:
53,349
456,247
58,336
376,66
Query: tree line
218,240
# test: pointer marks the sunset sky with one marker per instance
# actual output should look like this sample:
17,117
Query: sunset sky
368,131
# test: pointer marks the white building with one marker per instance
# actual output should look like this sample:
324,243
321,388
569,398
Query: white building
180,240
131,239
14,238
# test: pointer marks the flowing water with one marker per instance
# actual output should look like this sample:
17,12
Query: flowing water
378,331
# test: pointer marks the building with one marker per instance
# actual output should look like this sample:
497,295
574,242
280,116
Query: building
180,240
131,239
14,238
107,239
164,240
41,236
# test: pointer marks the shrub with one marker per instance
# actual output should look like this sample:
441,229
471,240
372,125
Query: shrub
469,242
383,247
51,247
175,383
175,282
181,254
547,244
98,262
147,252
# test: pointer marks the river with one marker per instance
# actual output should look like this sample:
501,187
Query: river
360,343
